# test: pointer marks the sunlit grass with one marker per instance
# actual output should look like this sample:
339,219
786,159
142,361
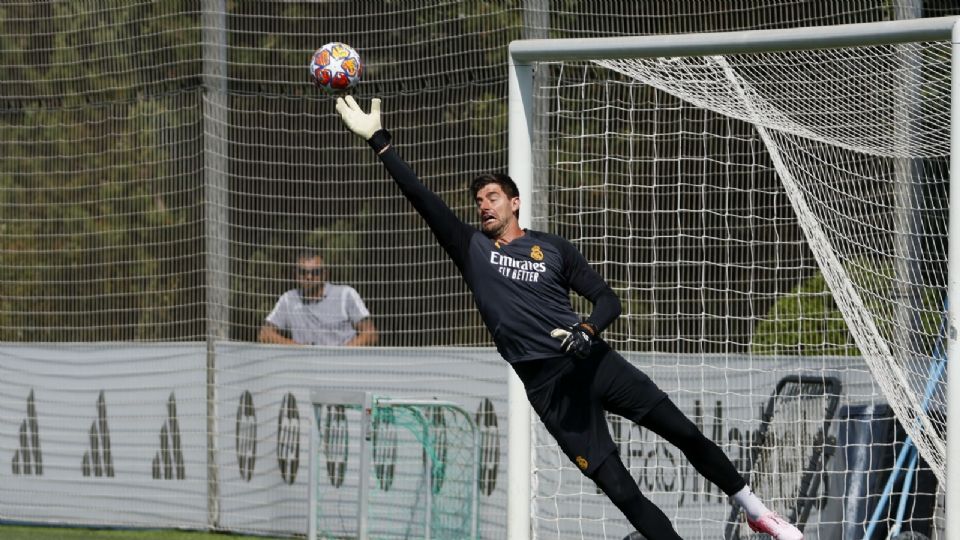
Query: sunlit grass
17,532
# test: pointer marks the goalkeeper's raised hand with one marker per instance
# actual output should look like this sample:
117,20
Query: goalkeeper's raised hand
359,122
365,125
577,340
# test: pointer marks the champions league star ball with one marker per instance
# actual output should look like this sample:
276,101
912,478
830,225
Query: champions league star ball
335,67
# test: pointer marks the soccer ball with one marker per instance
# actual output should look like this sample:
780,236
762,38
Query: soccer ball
335,67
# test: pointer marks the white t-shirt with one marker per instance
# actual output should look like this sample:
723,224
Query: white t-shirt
327,321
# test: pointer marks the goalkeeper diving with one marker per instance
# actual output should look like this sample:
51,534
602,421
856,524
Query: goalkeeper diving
521,281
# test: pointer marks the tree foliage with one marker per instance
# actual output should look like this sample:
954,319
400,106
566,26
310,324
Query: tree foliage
808,321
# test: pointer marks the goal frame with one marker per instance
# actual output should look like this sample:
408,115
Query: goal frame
368,403
523,56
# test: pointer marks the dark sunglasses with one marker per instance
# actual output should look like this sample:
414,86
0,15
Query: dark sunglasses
310,271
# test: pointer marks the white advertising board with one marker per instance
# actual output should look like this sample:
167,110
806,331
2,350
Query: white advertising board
115,434
104,434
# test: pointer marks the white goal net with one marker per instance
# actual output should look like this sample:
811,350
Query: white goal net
761,215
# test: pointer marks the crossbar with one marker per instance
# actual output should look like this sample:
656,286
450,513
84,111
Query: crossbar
747,41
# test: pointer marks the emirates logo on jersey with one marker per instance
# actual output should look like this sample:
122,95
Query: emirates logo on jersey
536,253
517,270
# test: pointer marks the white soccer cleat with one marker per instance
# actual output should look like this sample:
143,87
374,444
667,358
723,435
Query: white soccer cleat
778,528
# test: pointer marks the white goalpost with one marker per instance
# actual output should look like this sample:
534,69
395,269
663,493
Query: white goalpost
726,183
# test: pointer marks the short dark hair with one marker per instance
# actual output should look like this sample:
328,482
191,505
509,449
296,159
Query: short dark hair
309,253
505,182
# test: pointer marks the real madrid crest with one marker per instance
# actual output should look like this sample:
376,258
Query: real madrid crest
536,253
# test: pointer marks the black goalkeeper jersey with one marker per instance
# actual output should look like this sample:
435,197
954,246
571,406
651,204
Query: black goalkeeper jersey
522,289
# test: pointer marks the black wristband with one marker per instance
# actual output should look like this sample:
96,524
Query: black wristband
379,140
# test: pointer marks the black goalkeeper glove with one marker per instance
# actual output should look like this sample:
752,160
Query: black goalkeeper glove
577,340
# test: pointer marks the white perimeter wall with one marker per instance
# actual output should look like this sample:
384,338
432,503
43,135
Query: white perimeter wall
153,419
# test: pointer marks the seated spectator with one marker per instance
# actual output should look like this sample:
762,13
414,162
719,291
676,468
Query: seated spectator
318,312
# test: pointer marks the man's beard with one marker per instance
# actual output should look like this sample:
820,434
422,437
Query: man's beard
494,232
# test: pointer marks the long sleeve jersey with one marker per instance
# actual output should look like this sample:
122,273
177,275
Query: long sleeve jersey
522,289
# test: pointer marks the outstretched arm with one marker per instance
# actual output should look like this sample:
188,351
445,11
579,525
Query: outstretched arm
451,232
